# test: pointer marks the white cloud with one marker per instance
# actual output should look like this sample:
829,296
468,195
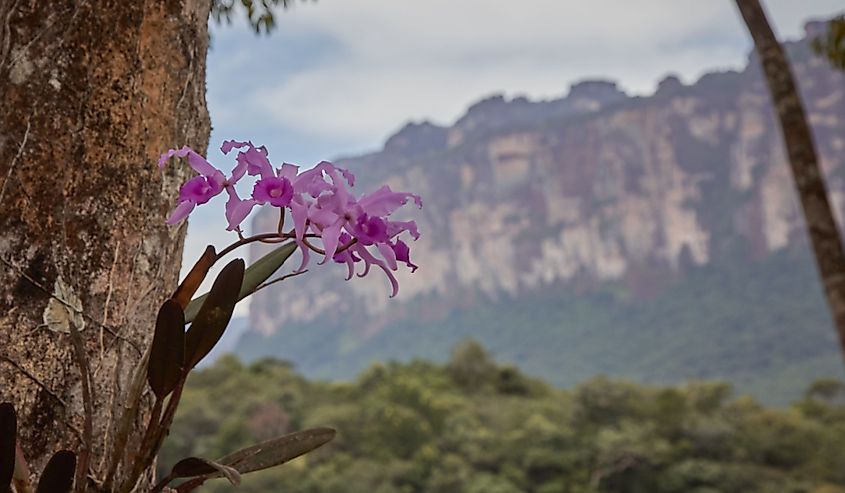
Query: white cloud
403,59
387,61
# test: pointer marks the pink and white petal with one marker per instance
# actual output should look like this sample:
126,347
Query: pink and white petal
350,266
389,255
339,188
237,209
311,181
317,186
350,178
217,180
238,171
180,212
200,165
256,162
299,214
396,227
385,201
368,258
323,217
330,237
306,255
228,145
173,152
288,171
393,282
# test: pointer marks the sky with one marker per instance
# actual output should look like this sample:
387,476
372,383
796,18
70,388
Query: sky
337,77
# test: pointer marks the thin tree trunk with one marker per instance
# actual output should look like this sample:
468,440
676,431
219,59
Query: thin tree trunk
803,160
92,92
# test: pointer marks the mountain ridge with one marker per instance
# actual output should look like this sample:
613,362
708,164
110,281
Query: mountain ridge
590,190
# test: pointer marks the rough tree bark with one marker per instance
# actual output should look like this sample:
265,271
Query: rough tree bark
803,160
92,93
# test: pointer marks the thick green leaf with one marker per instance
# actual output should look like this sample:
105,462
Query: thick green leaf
215,313
58,475
167,355
255,275
278,450
8,438
196,466
194,278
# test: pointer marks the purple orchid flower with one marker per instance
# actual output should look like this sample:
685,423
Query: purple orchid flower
197,190
352,230
274,191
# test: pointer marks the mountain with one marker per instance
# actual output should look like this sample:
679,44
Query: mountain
657,238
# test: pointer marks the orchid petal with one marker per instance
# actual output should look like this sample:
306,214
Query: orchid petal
403,254
323,217
256,162
350,178
396,227
181,212
299,214
228,145
237,209
368,259
350,266
306,255
330,236
340,192
200,165
384,201
288,171
238,171
394,284
389,255
173,152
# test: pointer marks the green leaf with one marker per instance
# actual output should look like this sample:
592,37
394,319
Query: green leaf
255,275
195,277
58,475
215,313
196,466
278,450
167,355
8,438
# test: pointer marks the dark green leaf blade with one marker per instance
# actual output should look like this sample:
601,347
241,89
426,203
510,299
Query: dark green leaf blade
255,275
279,450
167,356
8,439
195,277
214,316
196,466
58,475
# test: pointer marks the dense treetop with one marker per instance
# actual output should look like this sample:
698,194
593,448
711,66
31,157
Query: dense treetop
473,425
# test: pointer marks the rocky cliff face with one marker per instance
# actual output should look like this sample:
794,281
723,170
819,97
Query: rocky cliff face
595,186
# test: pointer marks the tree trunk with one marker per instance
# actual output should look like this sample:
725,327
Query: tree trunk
803,160
92,92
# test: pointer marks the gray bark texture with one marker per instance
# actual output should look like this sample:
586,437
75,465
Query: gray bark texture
803,160
92,92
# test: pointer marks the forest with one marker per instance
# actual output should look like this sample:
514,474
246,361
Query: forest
472,425
107,148
761,325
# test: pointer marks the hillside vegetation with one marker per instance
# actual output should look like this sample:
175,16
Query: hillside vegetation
475,426
761,325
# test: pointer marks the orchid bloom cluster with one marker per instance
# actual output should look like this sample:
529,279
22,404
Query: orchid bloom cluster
351,229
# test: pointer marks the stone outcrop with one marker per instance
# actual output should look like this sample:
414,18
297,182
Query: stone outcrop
595,186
